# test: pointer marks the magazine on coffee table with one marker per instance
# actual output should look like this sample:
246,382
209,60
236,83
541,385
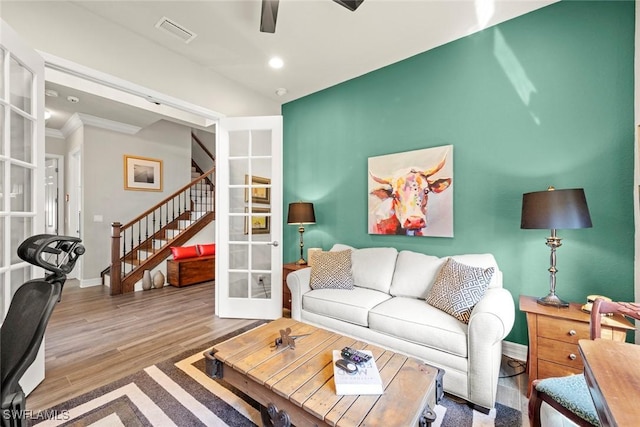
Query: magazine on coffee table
365,381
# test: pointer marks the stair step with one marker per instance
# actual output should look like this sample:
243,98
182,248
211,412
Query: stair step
197,214
144,254
184,223
201,186
171,233
159,243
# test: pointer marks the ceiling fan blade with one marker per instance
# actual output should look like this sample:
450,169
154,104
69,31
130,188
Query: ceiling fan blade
269,16
352,5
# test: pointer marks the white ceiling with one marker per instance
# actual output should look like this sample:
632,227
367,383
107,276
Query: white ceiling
321,42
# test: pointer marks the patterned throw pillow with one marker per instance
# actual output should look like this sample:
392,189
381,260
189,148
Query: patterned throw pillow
332,270
458,288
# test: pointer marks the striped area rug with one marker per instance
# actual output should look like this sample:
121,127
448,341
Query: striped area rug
178,392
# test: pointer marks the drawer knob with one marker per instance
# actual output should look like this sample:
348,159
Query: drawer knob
572,356
572,332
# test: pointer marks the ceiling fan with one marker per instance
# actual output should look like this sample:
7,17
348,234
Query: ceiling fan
270,12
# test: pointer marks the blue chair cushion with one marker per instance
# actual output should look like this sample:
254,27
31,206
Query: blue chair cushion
573,394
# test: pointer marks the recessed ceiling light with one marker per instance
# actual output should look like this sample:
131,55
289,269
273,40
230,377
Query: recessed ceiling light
281,91
52,93
73,99
276,62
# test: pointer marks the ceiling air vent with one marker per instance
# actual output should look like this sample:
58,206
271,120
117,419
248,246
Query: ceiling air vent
175,29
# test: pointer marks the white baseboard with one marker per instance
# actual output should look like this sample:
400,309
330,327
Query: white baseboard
514,350
90,282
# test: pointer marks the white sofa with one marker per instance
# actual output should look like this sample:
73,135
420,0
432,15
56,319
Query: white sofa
387,307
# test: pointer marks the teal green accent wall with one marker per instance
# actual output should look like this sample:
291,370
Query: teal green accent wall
543,99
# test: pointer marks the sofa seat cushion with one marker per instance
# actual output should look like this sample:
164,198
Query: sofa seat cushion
412,320
347,305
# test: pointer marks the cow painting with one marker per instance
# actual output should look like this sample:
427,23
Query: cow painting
401,202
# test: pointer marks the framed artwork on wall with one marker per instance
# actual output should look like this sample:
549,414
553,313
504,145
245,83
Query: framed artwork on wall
260,224
258,194
142,173
411,193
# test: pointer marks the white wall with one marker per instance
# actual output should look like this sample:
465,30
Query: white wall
71,32
55,146
208,139
105,199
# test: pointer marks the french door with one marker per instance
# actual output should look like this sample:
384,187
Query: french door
21,169
248,218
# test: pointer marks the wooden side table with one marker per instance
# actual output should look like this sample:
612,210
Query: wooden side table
286,293
554,334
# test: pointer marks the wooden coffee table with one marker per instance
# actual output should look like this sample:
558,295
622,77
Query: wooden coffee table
295,386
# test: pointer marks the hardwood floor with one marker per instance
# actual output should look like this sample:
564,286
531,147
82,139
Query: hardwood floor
93,338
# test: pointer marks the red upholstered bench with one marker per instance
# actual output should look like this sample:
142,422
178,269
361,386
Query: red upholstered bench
191,265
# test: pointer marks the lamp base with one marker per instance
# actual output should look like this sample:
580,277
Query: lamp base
552,300
301,261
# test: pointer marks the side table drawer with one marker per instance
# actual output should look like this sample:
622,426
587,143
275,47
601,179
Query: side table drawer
549,369
560,352
562,329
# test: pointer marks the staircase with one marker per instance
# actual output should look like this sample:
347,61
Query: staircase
145,242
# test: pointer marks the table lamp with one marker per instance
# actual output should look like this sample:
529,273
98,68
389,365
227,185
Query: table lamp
554,209
301,213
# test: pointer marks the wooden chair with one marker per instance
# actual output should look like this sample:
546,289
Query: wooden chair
570,395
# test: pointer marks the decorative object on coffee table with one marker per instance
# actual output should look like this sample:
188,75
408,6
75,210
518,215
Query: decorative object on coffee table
555,209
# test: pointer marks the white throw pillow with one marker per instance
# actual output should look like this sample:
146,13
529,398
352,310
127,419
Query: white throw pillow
458,288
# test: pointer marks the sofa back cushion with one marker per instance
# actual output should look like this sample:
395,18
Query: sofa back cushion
373,267
414,274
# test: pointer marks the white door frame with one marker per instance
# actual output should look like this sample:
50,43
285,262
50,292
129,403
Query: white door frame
27,59
245,261
71,74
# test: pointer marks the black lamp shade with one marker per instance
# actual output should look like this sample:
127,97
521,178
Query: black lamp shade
555,209
301,213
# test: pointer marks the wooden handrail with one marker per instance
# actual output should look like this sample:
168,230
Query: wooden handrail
168,198
195,137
